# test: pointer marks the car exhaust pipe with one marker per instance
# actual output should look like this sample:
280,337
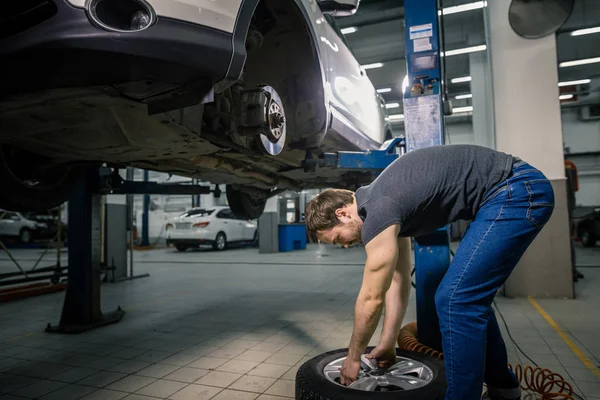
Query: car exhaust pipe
121,15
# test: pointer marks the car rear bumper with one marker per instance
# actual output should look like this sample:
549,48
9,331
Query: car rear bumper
60,47
189,242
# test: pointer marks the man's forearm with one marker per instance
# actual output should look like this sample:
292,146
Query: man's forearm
396,298
366,317
396,303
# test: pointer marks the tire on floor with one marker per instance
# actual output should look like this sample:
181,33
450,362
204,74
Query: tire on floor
311,383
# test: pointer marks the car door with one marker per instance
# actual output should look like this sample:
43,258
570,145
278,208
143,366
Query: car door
352,93
248,228
229,225
10,223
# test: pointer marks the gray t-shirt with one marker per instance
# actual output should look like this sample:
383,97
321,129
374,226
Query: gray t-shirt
429,188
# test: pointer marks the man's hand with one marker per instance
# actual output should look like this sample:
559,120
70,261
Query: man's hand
385,356
349,371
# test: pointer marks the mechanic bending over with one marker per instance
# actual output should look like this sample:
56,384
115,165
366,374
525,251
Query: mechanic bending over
508,202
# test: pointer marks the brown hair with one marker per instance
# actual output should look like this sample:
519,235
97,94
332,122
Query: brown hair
320,211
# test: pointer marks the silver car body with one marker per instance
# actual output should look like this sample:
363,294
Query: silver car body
355,108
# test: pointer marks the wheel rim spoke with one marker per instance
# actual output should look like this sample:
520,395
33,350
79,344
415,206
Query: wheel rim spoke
406,382
405,367
367,383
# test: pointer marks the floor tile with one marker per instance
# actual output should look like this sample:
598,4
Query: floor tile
128,353
105,394
129,366
569,361
180,359
157,370
208,363
582,374
187,374
228,394
101,379
74,374
284,359
39,388
270,397
162,388
138,397
283,388
131,383
40,369
589,389
242,344
237,366
253,355
270,347
16,383
226,352
70,392
297,349
218,378
196,392
256,384
153,356
269,370
199,350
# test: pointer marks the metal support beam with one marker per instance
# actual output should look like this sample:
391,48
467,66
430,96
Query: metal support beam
81,308
146,216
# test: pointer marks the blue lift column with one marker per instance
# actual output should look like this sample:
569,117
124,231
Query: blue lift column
423,121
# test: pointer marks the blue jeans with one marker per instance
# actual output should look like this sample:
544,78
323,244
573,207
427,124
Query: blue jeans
509,218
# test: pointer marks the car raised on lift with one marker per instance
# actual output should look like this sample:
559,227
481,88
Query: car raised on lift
233,92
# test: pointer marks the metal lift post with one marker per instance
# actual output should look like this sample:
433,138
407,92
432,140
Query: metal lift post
81,308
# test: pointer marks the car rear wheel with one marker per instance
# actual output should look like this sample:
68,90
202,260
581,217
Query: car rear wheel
181,247
415,376
29,185
588,239
246,203
220,242
26,236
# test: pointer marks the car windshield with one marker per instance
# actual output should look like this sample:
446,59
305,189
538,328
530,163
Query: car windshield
197,213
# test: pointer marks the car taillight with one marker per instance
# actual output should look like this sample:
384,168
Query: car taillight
169,226
200,225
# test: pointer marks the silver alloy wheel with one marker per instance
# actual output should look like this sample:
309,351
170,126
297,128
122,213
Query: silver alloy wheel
405,374
220,241
25,236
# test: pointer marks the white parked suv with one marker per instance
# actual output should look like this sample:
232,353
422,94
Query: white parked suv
15,225
216,226
234,92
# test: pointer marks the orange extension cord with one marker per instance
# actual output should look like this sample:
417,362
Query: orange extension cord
540,380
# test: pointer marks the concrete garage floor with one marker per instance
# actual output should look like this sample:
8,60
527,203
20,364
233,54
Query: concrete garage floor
237,324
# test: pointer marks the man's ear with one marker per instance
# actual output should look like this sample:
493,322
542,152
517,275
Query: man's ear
342,212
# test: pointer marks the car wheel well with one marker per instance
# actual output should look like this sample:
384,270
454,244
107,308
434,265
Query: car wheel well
388,135
283,29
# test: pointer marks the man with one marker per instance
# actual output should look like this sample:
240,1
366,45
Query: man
507,201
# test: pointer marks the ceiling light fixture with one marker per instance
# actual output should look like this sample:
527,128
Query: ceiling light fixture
392,105
348,30
464,50
371,66
565,96
583,61
396,117
463,96
462,8
459,110
585,31
384,90
578,82
461,79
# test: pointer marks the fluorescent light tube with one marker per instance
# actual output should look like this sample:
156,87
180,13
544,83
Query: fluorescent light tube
579,82
396,117
348,30
384,90
464,50
463,96
392,105
461,79
463,7
565,96
583,61
585,31
374,65
462,109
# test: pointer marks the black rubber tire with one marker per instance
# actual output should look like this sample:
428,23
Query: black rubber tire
587,237
17,196
243,205
215,244
181,247
312,385
28,238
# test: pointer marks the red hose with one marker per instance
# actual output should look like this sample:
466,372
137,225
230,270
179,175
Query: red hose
539,380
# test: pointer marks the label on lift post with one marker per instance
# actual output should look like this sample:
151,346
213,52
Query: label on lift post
421,31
